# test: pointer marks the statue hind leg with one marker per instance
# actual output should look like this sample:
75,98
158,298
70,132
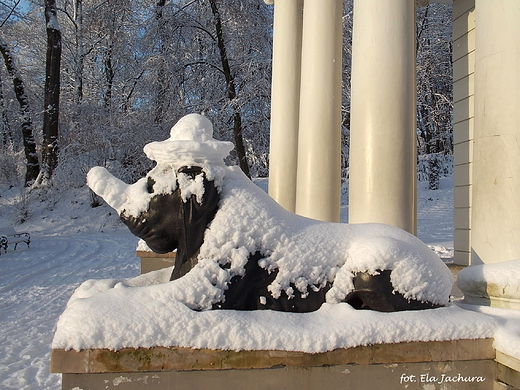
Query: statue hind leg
375,292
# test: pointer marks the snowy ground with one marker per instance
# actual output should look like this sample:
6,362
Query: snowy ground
69,244
72,242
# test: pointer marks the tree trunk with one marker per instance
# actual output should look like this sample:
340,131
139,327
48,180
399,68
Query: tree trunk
231,90
51,110
7,134
109,74
33,166
80,55
161,71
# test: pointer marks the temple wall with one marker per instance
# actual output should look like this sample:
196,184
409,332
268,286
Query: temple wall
495,210
463,124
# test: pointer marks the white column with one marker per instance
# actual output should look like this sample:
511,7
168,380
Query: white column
319,146
285,101
495,224
383,184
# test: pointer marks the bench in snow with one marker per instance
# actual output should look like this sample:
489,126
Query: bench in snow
9,236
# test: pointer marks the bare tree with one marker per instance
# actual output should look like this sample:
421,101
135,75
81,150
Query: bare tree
33,166
161,103
5,128
434,93
434,79
231,90
77,18
51,112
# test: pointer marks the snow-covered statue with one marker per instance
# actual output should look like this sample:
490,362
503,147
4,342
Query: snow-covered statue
238,249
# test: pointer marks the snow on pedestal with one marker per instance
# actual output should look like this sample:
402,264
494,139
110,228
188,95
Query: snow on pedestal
147,311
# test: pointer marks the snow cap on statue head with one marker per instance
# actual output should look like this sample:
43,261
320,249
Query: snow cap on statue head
191,143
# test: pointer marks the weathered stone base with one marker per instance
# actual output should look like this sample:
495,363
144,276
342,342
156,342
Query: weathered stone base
480,375
493,301
457,364
508,370
151,261
488,285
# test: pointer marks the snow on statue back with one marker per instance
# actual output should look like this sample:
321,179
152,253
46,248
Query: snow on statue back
238,249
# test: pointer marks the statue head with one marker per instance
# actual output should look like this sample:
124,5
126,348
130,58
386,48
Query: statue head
172,206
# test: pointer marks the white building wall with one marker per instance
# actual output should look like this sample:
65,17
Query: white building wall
463,124
495,208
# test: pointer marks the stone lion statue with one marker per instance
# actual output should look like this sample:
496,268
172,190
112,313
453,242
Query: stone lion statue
245,252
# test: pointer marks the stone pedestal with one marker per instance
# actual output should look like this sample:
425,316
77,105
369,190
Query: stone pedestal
151,261
508,371
411,365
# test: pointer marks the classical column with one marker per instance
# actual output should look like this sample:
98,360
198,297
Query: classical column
319,144
495,222
383,184
285,101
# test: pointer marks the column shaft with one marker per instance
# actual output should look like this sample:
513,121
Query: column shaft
383,183
319,143
285,101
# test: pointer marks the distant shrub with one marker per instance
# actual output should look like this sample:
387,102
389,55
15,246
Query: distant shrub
431,167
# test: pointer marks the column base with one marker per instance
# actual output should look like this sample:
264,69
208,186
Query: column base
496,284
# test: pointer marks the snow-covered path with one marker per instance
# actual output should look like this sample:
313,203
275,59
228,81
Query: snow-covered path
35,286
435,212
